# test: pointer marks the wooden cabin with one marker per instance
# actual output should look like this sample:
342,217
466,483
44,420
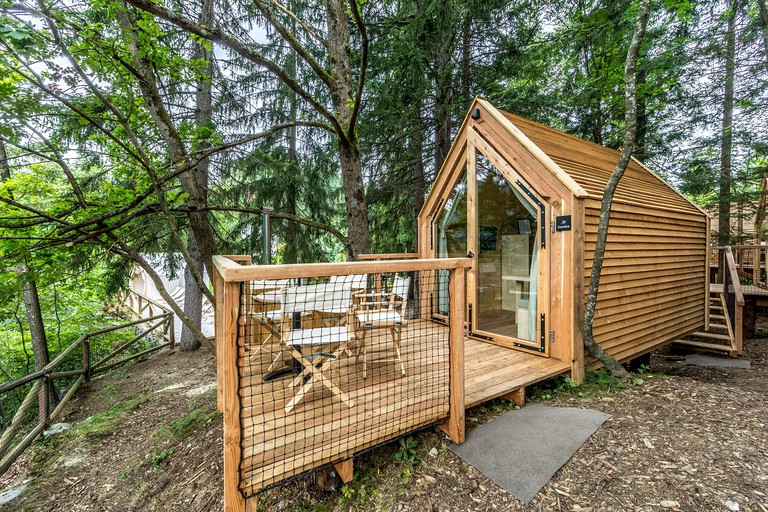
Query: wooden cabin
506,240
522,200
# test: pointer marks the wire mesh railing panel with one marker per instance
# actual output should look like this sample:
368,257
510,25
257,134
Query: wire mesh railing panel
332,367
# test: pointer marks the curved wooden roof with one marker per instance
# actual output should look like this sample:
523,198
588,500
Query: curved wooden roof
591,165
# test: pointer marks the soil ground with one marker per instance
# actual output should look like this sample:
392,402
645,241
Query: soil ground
681,438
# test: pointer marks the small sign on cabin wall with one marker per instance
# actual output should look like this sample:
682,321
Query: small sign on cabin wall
563,223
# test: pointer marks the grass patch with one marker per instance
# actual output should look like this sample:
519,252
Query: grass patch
192,422
107,422
597,381
166,439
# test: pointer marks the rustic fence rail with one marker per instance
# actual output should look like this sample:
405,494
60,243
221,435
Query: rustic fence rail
23,429
363,367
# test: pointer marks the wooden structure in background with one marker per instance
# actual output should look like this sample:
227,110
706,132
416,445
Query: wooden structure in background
654,286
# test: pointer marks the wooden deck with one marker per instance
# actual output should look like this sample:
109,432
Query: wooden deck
492,371
277,444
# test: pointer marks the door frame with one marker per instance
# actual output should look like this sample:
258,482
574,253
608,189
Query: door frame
475,144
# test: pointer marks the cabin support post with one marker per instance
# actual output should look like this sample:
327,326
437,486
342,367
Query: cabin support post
454,427
345,469
517,396
706,274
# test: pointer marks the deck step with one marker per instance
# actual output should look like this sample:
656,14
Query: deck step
712,336
717,317
704,345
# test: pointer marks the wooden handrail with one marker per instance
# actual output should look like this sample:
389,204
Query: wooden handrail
390,256
150,301
42,381
231,272
734,275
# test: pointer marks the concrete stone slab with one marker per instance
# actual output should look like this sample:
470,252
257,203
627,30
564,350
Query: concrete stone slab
521,449
10,495
717,362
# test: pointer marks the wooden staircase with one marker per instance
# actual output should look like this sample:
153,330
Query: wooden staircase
720,336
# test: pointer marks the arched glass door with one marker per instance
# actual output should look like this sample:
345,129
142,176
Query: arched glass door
501,222
508,231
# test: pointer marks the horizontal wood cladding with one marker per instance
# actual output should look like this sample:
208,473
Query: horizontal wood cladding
653,283
591,165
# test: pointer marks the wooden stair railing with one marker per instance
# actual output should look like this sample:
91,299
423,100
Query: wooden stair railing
722,335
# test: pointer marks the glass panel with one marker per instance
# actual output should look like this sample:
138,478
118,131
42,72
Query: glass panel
451,237
507,263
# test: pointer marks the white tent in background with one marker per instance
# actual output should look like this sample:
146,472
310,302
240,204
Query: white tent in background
143,285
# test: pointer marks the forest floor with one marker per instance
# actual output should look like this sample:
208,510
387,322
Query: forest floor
680,438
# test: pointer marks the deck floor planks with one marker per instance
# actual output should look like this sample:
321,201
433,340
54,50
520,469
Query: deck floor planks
278,445
491,370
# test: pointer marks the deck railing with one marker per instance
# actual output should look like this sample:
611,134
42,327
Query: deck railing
320,362
66,373
750,262
728,276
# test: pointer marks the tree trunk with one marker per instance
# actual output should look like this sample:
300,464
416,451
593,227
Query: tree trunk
39,344
35,321
760,217
193,301
5,169
196,192
418,184
642,119
466,63
630,107
726,147
443,101
32,307
349,147
193,295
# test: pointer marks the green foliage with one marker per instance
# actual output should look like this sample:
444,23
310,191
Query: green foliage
356,496
160,459
597,381
409,454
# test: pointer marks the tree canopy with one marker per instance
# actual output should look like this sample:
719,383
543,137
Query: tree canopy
135,127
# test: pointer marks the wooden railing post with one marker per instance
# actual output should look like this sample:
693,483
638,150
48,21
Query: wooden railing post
454,427
171,332
87,358
218,322
44,401
226,336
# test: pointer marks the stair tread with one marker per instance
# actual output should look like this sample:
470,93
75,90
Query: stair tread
703,344
712,335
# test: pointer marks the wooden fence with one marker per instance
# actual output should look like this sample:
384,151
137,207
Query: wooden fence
22,431
340,399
